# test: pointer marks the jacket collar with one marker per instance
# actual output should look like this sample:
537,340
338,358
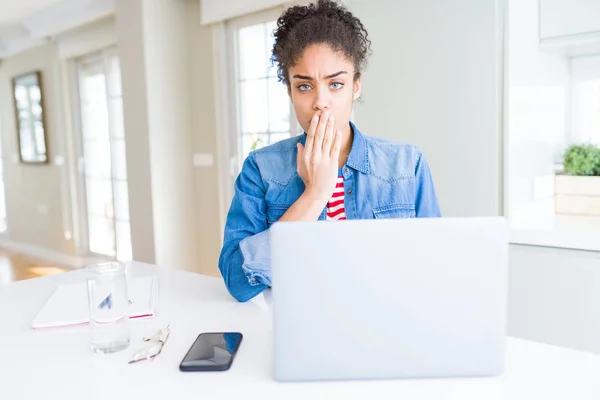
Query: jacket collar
359,154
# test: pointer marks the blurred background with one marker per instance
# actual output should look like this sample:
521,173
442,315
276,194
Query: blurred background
124,123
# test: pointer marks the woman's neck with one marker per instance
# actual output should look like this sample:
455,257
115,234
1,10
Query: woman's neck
347,138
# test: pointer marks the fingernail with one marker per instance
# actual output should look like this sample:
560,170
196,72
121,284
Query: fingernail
331,118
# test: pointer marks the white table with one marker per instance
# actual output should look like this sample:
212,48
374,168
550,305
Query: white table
57,364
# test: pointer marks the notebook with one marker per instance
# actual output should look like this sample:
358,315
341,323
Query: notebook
68,305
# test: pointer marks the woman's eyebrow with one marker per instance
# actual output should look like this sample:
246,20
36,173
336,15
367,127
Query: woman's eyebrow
336,74
310,78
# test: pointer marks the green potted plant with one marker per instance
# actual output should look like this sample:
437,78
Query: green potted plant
257,143
577,190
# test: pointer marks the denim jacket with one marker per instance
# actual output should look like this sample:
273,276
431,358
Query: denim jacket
382,179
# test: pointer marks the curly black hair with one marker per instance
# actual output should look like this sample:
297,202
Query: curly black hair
325,22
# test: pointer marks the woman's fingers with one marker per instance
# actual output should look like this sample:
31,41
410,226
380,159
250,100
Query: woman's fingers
300,152
310,136
329,136
336,146
320,135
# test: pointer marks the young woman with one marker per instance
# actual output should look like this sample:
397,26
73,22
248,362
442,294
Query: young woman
332,171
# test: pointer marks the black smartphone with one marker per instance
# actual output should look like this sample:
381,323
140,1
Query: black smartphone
212,351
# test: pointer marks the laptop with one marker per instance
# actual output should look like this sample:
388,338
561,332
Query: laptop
385,299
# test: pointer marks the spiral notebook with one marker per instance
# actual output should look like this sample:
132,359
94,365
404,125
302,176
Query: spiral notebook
68,305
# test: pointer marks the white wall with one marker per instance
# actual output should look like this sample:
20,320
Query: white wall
168,73
432,81
84,40
538,95
130,34
169,118
218,10
35,194
203,79
165,67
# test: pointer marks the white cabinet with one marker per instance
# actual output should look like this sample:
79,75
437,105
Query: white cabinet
559,18
570,27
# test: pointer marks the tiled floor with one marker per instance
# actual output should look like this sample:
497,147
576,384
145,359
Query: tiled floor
15,267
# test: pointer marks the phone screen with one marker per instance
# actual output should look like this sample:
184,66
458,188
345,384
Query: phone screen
212,352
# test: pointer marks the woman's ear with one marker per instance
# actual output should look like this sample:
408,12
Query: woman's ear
357,86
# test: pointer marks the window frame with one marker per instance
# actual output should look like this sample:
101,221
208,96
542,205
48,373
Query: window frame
102,57
235,134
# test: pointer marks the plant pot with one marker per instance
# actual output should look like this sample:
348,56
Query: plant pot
577,195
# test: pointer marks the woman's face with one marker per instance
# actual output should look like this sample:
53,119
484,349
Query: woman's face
323,80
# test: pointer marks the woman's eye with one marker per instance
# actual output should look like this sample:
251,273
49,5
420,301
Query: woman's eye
337,85
304,87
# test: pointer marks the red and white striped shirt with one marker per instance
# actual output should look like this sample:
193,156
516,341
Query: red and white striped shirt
335,206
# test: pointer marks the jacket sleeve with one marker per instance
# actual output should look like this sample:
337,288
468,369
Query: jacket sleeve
426,203
244,261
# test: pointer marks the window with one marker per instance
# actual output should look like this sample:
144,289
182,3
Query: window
585,101
262,110
102,156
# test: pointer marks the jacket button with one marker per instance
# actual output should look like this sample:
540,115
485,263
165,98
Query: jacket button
350,191
346,170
